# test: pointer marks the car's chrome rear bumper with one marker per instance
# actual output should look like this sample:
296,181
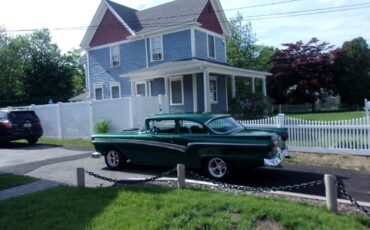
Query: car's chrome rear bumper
277,159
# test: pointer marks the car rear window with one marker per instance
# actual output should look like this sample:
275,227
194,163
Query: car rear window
22,116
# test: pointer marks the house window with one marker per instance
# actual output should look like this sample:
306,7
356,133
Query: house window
115,90
115,56
98,90
211,46
156,44
213,89
141,89
177,91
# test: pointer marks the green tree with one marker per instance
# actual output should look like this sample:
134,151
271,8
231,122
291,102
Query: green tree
78,79
353,72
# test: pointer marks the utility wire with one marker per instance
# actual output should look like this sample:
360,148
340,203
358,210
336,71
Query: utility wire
247,18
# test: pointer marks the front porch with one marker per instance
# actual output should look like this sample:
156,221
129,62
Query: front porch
194,85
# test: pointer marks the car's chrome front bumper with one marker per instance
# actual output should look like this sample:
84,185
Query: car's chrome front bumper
277,159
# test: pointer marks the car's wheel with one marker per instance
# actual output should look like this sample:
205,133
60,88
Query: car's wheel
217,168
114,159
32,140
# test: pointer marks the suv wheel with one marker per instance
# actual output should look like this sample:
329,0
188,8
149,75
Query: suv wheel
32,140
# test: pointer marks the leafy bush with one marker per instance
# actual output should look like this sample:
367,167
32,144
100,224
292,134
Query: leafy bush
249,107
102,126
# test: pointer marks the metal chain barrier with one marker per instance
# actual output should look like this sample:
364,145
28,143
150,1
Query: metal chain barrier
164,174
257,189
350,198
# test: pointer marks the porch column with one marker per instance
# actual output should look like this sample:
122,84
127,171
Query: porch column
166,86
264,90
132,89
253,85
233,91
207,101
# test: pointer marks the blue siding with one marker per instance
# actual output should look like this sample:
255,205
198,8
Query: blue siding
132,58
201,47
188,97
176,46
157,86
220,107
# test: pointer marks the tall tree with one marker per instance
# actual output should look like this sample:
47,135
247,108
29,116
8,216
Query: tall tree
353,72
302,72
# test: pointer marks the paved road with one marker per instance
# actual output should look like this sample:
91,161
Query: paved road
60,164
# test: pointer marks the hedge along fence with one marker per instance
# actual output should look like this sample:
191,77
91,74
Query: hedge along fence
344,137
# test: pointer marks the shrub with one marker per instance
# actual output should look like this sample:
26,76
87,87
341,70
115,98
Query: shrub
102,126
249,107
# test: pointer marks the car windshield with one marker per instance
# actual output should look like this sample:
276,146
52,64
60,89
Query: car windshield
224,125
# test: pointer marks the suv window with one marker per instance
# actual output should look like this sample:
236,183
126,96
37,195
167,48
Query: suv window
22,116
2,115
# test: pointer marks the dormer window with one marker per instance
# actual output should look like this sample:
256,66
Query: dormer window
211,46
115,56
156,44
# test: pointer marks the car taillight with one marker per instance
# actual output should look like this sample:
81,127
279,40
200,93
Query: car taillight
274,144
7,124
285,137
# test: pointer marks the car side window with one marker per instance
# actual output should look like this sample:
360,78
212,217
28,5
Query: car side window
162,126
191,127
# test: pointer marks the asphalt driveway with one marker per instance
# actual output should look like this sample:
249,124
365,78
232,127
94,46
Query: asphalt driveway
59,164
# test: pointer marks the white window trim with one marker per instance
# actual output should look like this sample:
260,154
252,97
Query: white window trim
213,78
214,46
179,78
151,48
141,83
98,86
111,57
115,84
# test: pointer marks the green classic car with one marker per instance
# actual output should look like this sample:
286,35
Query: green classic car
215,143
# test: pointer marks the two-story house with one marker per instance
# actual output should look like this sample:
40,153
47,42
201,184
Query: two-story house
177,49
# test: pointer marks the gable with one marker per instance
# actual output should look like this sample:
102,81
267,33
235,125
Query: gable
109,30
209,20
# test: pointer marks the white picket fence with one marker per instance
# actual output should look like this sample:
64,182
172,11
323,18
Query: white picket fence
76,120
342,137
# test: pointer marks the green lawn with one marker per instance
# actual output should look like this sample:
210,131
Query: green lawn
162,208
335,116
10,180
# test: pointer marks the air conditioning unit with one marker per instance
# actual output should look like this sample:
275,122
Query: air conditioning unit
157,56
115,63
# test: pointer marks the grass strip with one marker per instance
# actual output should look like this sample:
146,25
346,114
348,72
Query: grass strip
10,180
163,208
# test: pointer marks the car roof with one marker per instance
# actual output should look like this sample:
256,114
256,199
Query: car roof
198,117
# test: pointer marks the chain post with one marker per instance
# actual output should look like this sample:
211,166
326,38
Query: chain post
331,193
80,177
181,176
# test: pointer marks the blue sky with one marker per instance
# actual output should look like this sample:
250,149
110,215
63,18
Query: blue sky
335,27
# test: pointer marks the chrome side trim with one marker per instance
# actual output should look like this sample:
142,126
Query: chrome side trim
144,142
176,147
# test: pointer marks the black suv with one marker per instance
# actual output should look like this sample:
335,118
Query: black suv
19,124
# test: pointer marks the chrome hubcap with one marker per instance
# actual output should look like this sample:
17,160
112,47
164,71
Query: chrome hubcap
217,167
113,158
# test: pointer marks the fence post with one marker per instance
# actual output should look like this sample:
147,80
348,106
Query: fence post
281,120
160,100
80,177
60,125
180,176
91,115
331,193
132,112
